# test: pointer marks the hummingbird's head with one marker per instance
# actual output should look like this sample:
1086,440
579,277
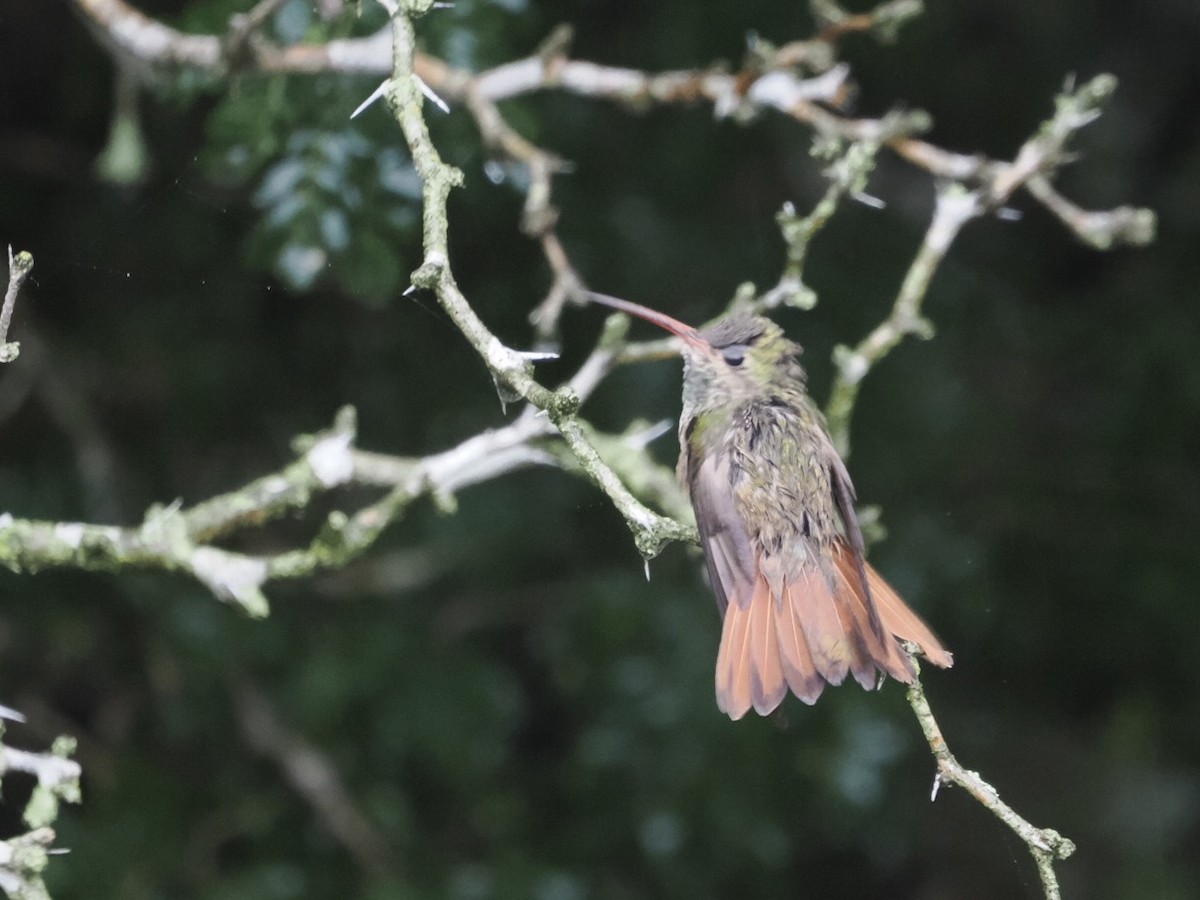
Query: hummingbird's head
748,347
740,356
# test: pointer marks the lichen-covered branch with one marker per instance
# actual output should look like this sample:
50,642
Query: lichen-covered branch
175,538
982,188
512,371
178,538
1102,229
803,80
847,175
955,206
1046,845
23,858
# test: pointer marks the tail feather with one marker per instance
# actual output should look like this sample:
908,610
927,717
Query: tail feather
767,684
816,607
819,630
799,667
733,662
905,624
750,672
878,653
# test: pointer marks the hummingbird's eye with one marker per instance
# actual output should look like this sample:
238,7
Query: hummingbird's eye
734,354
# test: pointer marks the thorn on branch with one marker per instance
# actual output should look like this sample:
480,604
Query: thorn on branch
1045,844
380,91
232,577
430,95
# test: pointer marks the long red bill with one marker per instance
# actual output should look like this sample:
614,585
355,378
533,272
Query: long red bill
662,320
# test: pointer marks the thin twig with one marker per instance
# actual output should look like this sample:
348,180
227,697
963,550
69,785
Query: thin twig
512,373
1046,845
19,267
955,206
1101,229
802,80
847,174
989,186
770,80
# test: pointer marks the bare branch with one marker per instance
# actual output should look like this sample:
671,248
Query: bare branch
23,858
1103,230
955,206
802,80
651,531
1046,845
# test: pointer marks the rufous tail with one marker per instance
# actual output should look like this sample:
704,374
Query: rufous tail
813,630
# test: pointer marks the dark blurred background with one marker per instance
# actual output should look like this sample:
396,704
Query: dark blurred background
511,708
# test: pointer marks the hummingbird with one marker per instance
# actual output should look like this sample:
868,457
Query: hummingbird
801,606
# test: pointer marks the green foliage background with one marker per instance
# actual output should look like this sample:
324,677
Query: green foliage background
517,712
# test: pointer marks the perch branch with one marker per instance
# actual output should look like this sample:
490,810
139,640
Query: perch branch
512,372
1046,845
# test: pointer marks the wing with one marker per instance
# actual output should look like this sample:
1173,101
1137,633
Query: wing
843,498
723,532
749,664
888,614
